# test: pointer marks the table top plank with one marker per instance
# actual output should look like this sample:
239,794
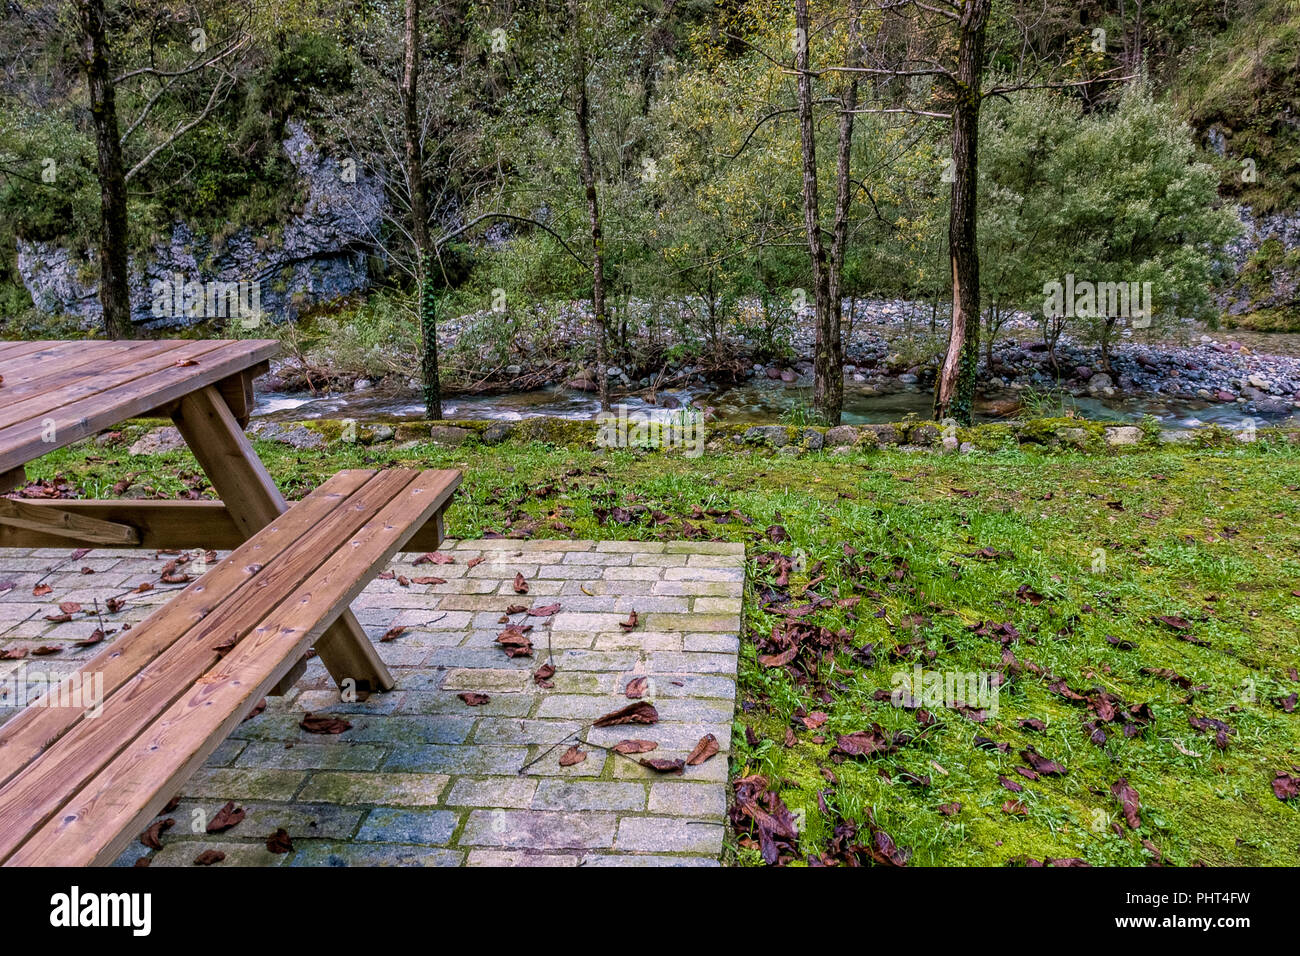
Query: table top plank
80,404
105,387
13,351
44,372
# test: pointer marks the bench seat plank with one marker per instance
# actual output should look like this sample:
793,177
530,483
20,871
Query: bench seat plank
165,525
26,735
94,742
101,817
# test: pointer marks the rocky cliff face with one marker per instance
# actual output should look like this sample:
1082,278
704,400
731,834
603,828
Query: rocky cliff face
316,256
1266,261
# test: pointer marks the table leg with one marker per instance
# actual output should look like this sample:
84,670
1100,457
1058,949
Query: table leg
241,480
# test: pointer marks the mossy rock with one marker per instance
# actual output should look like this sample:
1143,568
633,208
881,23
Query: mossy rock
775,436
924,434
884,434
989,438
1078,433
449,434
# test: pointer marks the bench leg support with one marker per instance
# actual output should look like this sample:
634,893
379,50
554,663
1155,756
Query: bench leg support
209,428
289,679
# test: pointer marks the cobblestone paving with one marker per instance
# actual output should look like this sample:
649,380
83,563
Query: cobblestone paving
421,778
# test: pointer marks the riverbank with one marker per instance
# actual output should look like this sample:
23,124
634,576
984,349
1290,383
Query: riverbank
1183,375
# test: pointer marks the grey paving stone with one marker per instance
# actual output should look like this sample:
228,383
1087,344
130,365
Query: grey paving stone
486,679
514,858
683,798
703,574
715,643
516,792
733,548
643,547
668,834
658,560
645,859
239,783
400,789
639,640
366,728
424,827
327,702
589,795
636,573
449,702
597,558
261,819
540,829
711,771
323,853
226,753
452,759
340,756
669,736
177,852
513,730
583,660
421,778
668,662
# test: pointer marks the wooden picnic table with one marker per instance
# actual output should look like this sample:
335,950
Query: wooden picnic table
55,393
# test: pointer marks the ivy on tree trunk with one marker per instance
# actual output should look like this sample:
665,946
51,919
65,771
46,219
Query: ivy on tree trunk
955,388
114,289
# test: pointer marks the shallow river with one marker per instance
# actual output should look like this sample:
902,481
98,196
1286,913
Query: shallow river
756,402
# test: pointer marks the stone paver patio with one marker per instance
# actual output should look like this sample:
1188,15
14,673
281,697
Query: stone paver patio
421,777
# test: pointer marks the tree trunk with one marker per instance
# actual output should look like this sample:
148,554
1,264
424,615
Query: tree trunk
432,386
114,290
843,201
1107,330
955,389
828,360
583,110
990,333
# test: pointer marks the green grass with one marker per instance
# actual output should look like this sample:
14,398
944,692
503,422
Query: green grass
1110,542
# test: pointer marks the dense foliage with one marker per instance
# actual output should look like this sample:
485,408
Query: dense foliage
695,145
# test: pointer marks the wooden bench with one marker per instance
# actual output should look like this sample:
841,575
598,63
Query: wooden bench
76,787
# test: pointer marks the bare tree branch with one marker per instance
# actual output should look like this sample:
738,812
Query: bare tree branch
219,91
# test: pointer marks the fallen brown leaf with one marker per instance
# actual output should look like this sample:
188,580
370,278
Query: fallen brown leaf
574,755
641,713
227,817
279,842
663,765
706,748
324,725
634,746
150,837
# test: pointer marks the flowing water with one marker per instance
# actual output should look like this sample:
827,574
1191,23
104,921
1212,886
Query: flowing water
762,401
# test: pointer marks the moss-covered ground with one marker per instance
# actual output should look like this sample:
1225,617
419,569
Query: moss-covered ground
1081,553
